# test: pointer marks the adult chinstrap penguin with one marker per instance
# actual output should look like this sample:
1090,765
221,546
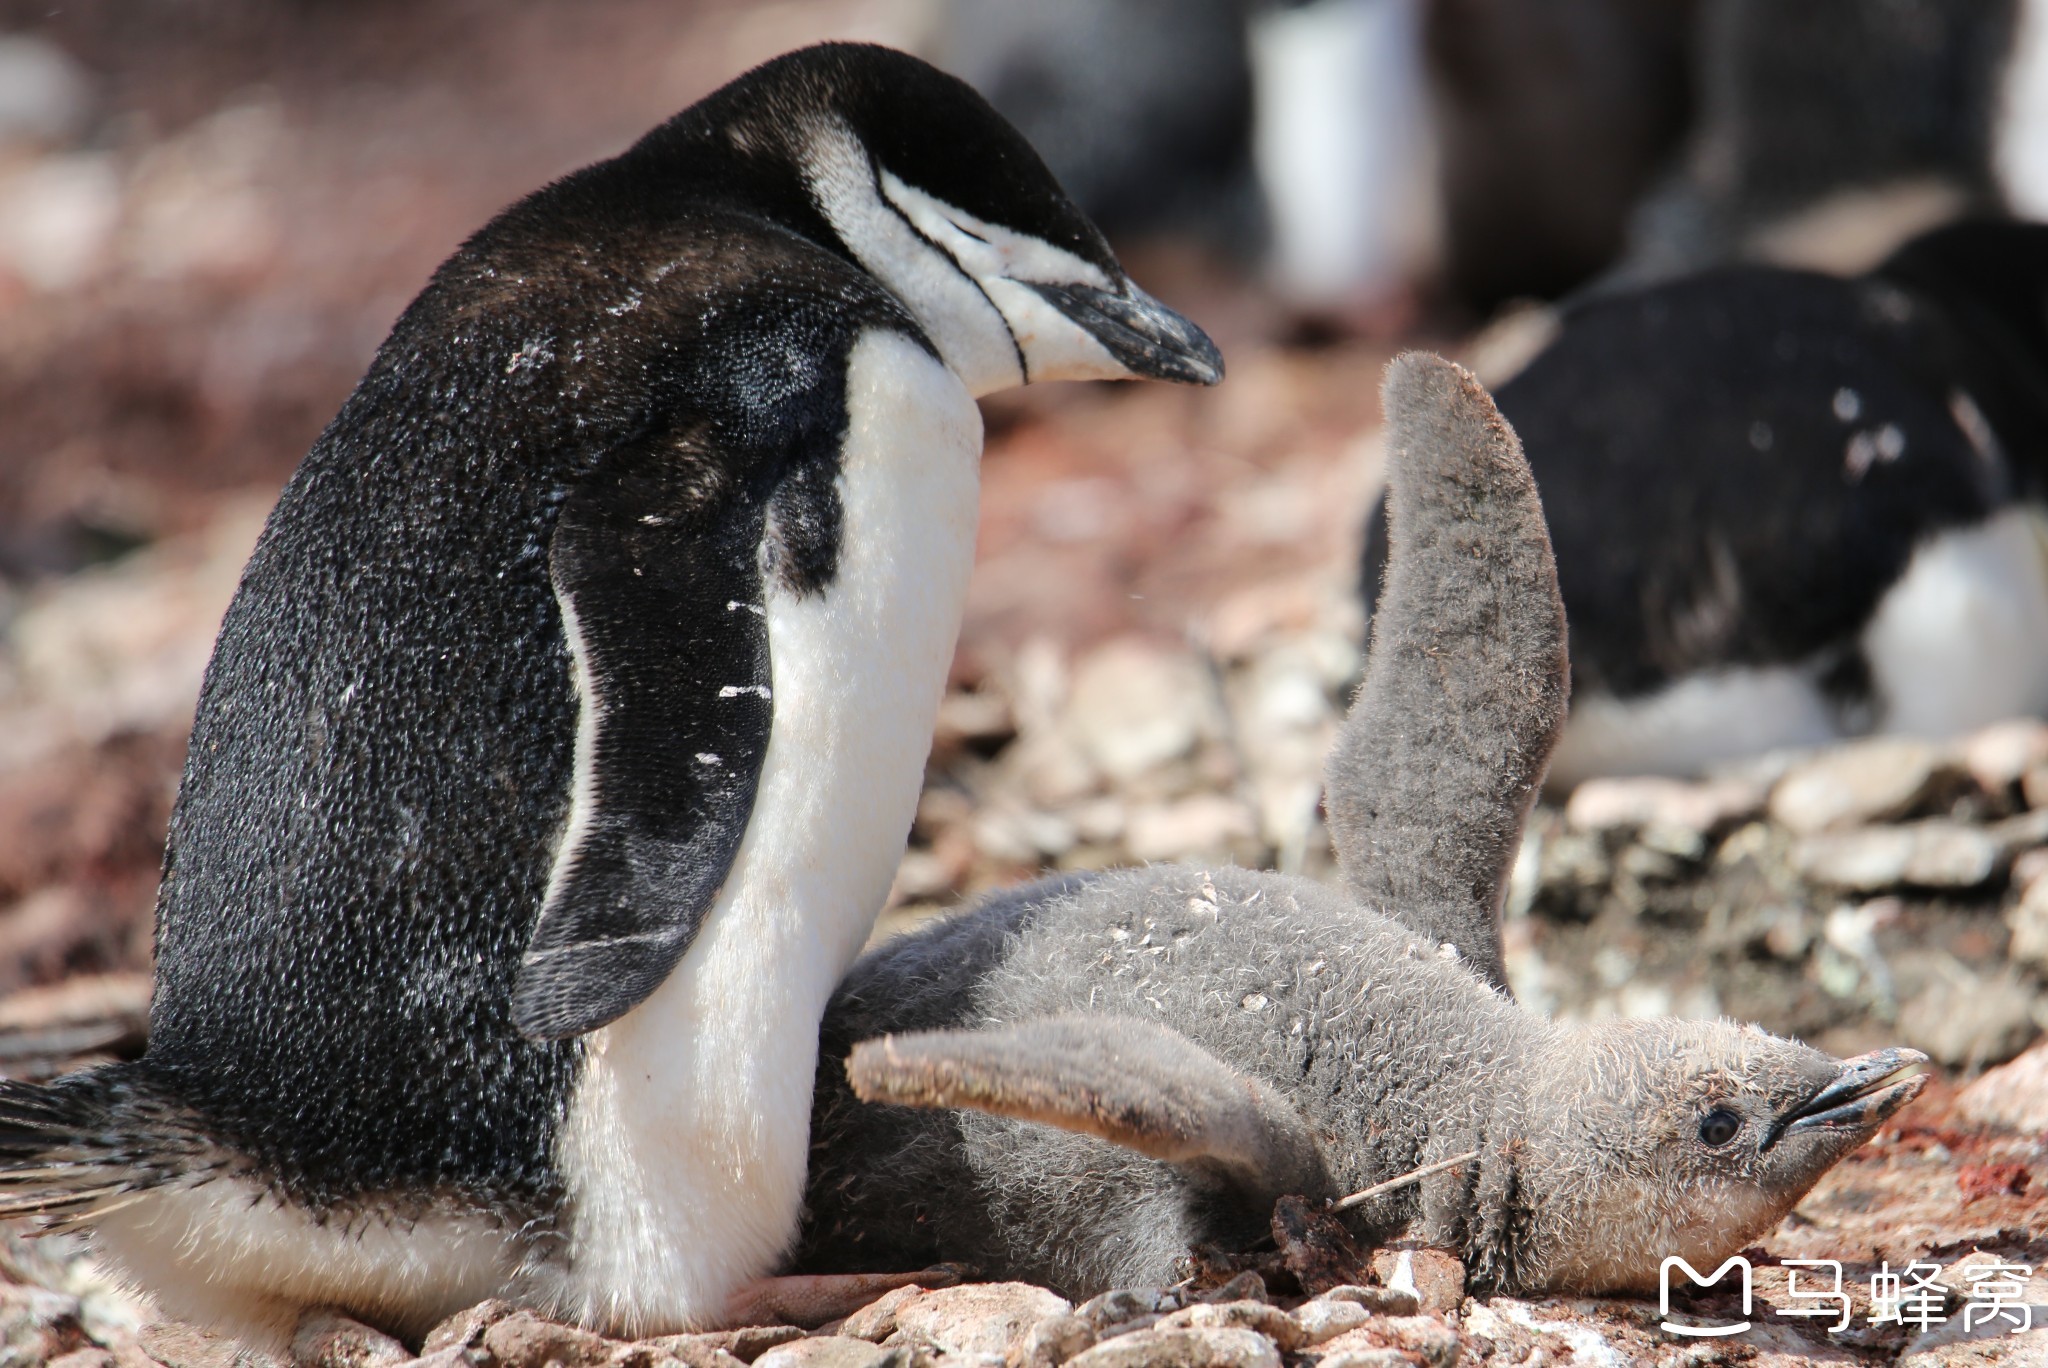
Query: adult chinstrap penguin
1789,508
1148,1059
560,743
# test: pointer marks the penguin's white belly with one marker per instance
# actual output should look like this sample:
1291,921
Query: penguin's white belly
1959,641
1692,724
229,1254
685,1143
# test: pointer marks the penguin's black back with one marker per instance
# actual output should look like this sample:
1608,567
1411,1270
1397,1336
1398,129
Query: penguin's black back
382,761
1708,501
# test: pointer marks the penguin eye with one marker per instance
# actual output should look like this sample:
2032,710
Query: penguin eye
1718,1127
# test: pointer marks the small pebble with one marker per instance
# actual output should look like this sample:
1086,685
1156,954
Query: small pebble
1220,1347
1270,1321
978,1318
328,1339
824,1351
1327,1317
1872,780
1937,853
1414,1337
1967,1021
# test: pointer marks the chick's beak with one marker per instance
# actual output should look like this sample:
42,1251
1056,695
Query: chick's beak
1861,1096
1148,339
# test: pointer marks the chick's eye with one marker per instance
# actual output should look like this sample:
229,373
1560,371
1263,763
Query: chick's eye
1718,1127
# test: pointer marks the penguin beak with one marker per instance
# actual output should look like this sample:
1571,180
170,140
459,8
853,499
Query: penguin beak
1148,339
1860,1097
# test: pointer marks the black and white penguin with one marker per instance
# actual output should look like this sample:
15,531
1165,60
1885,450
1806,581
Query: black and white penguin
1790,508
562,739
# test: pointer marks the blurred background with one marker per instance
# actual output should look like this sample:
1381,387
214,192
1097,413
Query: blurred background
212,210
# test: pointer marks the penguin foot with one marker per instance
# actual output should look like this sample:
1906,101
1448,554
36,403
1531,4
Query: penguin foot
811,1300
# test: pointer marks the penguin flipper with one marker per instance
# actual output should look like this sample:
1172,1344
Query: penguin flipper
1134,1083
662,597
1445,747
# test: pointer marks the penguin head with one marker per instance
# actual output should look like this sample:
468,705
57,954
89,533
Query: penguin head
1691,1138
912,175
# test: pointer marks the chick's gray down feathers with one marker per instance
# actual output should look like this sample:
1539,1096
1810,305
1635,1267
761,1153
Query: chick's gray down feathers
1104,1072
1466,682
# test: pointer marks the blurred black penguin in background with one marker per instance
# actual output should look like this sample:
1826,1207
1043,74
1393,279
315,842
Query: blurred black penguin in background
1830,131
1347,147
1789,507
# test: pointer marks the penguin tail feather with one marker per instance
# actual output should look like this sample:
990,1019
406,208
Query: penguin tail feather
78,1148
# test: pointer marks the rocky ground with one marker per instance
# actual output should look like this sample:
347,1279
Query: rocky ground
206,224
1951,1197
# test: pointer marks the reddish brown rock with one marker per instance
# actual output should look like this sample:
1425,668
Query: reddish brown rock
328,1339
1436,1277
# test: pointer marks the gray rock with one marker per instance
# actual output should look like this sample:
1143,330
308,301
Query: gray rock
465,1329
1967,1021
716,1346
46,97
90,1357
978,1318
1637,803
1353,1357
1122,1305
328,1339
1054,1340
1937,853
1326,1317
177,1345
1421,1338
1999,756
1986,1339
525,1340
1381,1301
1021,835
1136,705
2023,834
1872,780
2027,918
1947,1348
688,1351
824,1351
1213,1347
1268,1320
877,1320
1206,824
2013,1096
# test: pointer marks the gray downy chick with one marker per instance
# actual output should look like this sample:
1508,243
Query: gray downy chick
1095,1074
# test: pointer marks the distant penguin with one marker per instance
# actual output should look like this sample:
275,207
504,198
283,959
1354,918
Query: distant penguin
1142,108
1789,508
561,741
1292,134
1110,1070
1830,131
1550,121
